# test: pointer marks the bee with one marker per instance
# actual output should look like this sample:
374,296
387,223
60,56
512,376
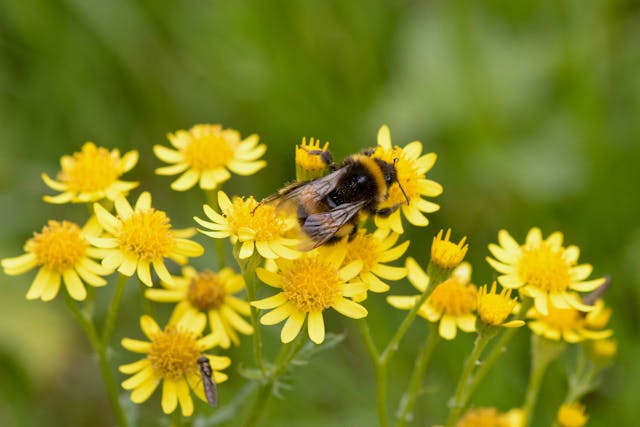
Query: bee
328,208
209,384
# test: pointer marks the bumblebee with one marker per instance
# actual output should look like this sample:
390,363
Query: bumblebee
328,208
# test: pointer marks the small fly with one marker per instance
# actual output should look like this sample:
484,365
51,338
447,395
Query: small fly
210,387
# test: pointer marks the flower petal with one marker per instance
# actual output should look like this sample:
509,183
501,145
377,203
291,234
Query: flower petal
349,308
315,326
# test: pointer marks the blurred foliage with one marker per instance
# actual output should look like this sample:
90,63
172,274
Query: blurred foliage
532,106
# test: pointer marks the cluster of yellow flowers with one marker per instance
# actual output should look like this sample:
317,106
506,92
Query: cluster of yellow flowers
542,284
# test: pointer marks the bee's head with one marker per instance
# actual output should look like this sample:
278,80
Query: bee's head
390,174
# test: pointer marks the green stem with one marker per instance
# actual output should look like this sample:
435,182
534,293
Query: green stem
417,376
248,268
380,371
100,350
462,393
543,352
112,313
259,404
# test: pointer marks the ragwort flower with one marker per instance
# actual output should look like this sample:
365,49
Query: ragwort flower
265,229
171,358
91,175
494,308
411,167
488,417
309,161
543,269
140,237
452,302
212,294
309,285
571,325
374,250
205,152
63,254
572,415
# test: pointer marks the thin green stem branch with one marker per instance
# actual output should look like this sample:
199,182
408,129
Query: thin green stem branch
112,313
461,396
96,344
417,377
249,274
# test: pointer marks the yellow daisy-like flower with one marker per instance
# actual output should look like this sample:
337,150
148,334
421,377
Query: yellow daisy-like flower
309,285
543,270
411,167
171,358
205,152
63,254
210,293
141,237
374,250
603,351
452,302
309,162
445,254
265,229
487,417
91,175
571,325
572,415
494,308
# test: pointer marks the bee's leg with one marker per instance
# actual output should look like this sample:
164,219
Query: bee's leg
385,212
325,156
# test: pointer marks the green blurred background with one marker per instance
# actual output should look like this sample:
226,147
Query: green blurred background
532,106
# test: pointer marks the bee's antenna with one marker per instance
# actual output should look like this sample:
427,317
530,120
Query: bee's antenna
395,160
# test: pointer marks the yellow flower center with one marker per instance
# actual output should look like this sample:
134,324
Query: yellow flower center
446,254
572,415
454,298
311,284
544,268
206,291
174,353
363,247
265,221
59,246
563,318
482,417
407,173
146,235
91,169
210,147
494,308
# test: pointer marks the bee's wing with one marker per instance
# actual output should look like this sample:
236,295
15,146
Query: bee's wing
316,189
323,226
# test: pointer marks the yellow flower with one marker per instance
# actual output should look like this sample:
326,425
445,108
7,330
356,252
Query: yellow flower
487,417
452,302
572,415
140,237
570,324
210,293
63,254
374,250
543,270
603,351
309,162
265,229
171,357
308,286
411,167
494,308
446,254
91,175
205,152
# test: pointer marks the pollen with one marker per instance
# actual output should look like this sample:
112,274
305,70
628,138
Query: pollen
206,291
59,246
146,235
311,284
544,268
210,147
446,254
494,308
91,169
265,221
454,298
174,353
363,247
